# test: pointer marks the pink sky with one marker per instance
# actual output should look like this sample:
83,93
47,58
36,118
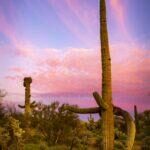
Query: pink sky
70,68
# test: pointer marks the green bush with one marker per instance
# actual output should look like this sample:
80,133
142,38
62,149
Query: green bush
41,146
31,147
119,145
58,147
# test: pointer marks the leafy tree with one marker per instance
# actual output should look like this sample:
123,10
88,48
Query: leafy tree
55,125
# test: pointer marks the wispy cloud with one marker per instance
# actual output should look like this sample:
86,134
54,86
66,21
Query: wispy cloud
80,22
16,69
79,70
16,42
85,13
72,71
119,12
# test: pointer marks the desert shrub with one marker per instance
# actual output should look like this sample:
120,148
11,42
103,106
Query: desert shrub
40,146
4,134
119,146
31,146
58,147
146,143
55,125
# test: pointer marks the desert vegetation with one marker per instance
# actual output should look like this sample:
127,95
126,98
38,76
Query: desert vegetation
51,127
58,127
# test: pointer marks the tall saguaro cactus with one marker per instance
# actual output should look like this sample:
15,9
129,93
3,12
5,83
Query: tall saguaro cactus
106,100
105,107
28,105
107,115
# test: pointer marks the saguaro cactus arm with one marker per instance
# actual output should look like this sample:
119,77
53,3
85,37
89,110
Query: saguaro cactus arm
82,110
131,130
117,111
21,106
136,118
33,105
100,101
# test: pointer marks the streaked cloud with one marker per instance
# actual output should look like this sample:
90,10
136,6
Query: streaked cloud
76,70
82,23
119,12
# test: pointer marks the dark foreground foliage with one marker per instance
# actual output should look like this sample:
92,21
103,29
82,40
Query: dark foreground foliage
52,128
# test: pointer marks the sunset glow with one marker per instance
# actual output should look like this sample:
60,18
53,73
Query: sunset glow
57,44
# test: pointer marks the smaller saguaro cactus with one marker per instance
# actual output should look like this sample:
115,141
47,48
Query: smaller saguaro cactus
28,105
136,118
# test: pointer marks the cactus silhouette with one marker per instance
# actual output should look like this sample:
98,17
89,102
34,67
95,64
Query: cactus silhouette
28,105
136,118
105,107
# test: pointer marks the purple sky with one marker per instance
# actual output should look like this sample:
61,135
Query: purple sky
57,44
